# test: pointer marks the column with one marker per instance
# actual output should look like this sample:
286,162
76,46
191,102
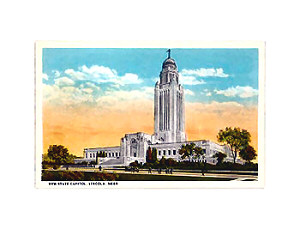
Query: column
160,110
156,113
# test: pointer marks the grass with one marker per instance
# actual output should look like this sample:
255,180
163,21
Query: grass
149,177
77,176
99,176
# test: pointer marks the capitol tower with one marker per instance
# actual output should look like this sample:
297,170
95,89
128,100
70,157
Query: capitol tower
169,111
169,129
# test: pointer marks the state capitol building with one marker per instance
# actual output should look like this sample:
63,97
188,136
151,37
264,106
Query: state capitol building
169,128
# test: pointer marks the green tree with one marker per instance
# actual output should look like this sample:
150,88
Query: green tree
235,138
170,162
248,153
190,151
60,155
184,152
198,152
135,164
154,155
162,162
220,157
101,154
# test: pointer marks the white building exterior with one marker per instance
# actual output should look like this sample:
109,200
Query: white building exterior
169,128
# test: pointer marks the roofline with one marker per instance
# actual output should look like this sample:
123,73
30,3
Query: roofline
102,147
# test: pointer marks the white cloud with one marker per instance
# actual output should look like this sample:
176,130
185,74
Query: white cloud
189,92
88,90
208,94
130,78
238,91
190,80
149,91
155,79
56,73
204,72
99,72
75,74
62,94
45,76
67,95
102,74
118,98
91,85
64,81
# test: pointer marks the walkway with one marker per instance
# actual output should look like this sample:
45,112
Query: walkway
237,177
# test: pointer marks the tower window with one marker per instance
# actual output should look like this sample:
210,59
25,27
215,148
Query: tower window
174,152
169,152
164,152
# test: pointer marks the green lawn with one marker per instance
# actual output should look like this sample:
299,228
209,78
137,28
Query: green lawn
100,176
149,177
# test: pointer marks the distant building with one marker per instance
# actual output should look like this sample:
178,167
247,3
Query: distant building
169,128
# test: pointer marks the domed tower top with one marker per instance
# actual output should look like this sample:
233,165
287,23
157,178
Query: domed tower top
169,71
169,62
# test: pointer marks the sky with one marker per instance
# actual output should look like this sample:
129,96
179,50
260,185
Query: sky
93,96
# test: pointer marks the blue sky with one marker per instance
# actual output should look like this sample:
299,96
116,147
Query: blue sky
207,75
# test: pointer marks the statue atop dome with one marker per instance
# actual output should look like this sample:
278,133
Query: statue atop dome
169,53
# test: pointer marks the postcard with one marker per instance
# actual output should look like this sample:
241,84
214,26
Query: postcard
142,114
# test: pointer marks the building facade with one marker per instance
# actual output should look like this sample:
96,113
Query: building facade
169,128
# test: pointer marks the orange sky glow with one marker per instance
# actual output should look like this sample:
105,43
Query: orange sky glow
77,127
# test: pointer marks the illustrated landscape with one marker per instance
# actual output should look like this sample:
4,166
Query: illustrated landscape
150,114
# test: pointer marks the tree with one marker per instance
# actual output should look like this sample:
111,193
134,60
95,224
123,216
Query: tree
184,152
101,154
220,157
248,153
198,152
187,151
162,162
60,155
235,138
149,155
135,164
170,162
154,155
191,150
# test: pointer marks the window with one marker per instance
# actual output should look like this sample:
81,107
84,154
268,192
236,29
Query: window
134,154
108,154
90,154
112,154
174,151
164,152
86,155
169,151
159,153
